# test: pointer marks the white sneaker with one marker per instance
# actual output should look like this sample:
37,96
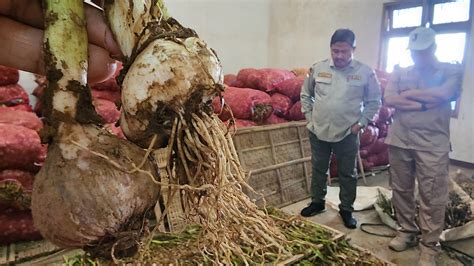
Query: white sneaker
403,241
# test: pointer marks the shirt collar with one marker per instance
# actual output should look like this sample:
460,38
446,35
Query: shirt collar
351,64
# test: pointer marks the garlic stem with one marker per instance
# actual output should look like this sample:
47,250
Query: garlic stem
67,97
65,42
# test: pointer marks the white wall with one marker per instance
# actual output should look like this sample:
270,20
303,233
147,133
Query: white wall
301,29
462,127
236,29
279,33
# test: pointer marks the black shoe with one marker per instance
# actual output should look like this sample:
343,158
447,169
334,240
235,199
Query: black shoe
313,209
348,219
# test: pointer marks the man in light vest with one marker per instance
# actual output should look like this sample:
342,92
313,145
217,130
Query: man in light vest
339,98
419,143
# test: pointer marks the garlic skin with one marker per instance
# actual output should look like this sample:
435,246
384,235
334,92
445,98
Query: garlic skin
128,18
79,199
165,74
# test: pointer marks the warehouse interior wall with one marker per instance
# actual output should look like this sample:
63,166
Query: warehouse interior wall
236,29
280,33
300,31
462,127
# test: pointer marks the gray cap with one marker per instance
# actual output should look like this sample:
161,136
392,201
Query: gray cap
421,38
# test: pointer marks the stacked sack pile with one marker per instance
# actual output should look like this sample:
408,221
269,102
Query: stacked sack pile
262,96
373,150
21,157
105,96
21,151
106,99
272,96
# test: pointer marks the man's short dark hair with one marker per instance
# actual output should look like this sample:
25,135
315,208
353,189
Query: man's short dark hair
344,35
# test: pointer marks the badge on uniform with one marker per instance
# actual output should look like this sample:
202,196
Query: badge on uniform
353,77
324,75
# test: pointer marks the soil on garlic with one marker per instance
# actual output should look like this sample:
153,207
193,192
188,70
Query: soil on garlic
81,199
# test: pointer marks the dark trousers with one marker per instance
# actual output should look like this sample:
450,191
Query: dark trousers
346,153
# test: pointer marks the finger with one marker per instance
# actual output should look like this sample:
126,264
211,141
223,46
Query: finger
26,11
22,48
30,13
99,33
101,66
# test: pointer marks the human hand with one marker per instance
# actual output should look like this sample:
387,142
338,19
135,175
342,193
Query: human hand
412,94
21,39
407,92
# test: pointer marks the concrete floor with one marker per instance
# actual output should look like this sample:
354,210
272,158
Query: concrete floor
379,245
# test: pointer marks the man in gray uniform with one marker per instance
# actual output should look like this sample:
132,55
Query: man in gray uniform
419,142
332,99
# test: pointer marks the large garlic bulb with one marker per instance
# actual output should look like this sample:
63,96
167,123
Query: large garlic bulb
163,78
85,191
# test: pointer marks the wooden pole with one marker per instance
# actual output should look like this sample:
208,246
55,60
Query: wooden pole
361,167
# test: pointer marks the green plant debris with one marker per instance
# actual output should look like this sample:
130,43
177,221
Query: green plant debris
386,204
458,212
310,244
